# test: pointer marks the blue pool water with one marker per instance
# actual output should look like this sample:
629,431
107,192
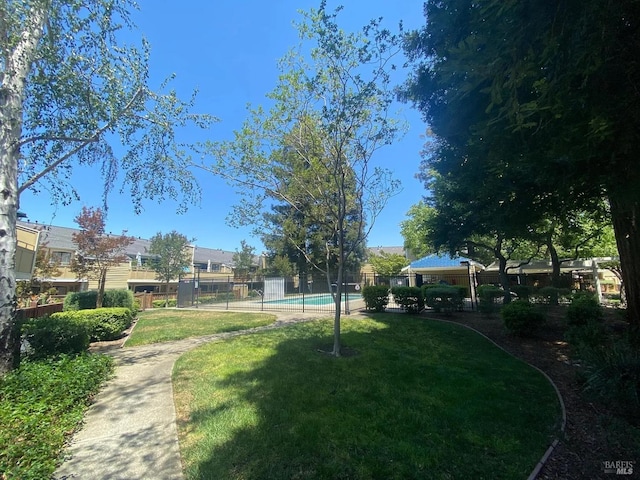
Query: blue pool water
320,299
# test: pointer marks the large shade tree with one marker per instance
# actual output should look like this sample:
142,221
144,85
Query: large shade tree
330,113
72,92
556,82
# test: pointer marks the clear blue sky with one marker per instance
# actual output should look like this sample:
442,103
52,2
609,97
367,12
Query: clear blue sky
228,50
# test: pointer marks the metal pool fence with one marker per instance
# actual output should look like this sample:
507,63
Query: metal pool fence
305,293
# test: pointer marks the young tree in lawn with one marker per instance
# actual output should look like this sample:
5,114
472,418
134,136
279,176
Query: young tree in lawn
96,251
70,92
243,261
171,256
313,149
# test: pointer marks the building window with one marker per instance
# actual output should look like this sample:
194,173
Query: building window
61,258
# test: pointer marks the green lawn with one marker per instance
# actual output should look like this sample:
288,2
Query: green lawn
417,399
165,325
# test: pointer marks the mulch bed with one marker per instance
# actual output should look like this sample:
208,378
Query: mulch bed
593,433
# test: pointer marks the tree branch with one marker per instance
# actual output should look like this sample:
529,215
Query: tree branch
93,138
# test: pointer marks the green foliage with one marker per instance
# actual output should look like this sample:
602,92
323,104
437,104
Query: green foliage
101,323
80,300
443,298
584,309
376,297
552,295
409,298
51,336
87,300
387,264
488,294
585,336
170,255
524,292
522,318
118,298
172,302
613,374
41,403
415,230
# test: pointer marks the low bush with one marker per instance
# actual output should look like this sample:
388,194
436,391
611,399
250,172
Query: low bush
488,295
409,298
80,300
87,300
552,295
586,336
376,297
612,373
584,309
41,403
522,318
51,336
118,298
524,292
443,298
162,303
102,324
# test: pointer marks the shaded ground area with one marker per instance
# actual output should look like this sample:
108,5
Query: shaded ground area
593,433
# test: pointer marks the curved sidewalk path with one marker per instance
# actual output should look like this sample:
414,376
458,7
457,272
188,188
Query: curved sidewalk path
130,430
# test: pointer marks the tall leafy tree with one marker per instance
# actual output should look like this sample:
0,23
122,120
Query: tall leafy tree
171,256
96,251
387,264
415,230
243,260
71,92
552,86
329,115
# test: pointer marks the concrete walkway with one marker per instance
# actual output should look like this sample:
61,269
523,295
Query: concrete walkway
130,430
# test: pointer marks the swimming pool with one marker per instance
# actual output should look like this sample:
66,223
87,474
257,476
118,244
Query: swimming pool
315,299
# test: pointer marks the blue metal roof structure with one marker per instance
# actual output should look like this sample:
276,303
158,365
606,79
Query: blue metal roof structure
438,261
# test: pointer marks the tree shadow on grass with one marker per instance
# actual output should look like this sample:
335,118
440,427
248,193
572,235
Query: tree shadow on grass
421,400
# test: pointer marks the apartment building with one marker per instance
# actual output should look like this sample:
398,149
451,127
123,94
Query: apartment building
134,274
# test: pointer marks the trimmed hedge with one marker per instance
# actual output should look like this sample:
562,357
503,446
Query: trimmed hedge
376,297
488,295
584,309
101,323
522,318
444,298
409,298
87,300
51,336
161,303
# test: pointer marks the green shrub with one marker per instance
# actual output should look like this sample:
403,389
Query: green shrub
409,298
118,298
51,336
161,303
376,297
552,295
102,324
613,374
40,404
443,298
521,318
524,292
488,295
584,309
586,336
80,300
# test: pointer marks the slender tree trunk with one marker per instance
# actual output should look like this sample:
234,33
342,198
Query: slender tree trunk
102,280
625,214
504,278
16,69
